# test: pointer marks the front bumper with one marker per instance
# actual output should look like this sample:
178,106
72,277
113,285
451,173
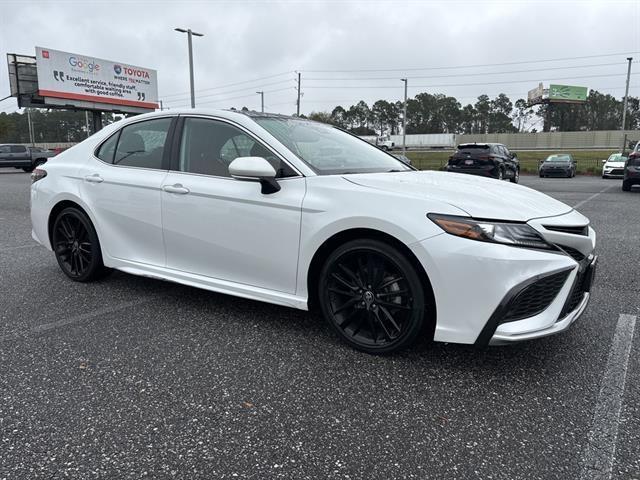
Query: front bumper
574,306
555,172
471,280
613,172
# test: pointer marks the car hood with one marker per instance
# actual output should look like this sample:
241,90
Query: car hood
614,164
479,197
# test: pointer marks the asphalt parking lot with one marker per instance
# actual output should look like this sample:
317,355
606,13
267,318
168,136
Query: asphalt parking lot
137,378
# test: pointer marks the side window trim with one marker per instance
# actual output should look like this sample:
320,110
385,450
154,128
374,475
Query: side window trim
175,150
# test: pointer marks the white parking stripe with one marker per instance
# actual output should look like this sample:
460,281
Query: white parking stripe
19,247
579,204
76,319
599,454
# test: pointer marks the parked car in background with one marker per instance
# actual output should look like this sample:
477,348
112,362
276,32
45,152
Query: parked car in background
384,142
485,159
402,158
558,165
21,156
632,170
613,167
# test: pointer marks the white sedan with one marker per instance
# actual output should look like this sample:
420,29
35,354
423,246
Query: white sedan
302,214
614,166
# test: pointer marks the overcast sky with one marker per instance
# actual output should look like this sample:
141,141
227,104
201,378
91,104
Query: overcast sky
246,40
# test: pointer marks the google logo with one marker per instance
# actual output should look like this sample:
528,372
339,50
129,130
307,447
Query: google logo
84,64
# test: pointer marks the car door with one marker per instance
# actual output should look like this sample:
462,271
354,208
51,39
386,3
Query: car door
5,155
223,228
122,188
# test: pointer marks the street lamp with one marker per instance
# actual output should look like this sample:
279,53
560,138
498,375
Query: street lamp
189,35
261,100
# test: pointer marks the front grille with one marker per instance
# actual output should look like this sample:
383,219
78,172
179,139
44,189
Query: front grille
535,298
573,253
617,171
581,230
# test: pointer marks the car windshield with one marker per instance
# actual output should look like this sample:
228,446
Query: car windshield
329,150
617,157
558,158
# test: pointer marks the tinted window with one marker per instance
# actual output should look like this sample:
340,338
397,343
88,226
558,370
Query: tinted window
4,149
142,144
18,149
209,146
108,148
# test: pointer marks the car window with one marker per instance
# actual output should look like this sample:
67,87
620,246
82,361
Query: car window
142,144
209,146
4,149
18,149
108,148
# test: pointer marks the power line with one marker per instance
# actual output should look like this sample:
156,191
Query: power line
231,91
471,74
231,84
452,67
239,96
508,82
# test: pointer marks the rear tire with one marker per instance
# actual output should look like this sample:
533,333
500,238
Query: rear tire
372,296
28,169
626,186
76,246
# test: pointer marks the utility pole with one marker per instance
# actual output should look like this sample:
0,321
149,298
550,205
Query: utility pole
404,118
298,102
30,127
86,122
624,108
261,100
190,34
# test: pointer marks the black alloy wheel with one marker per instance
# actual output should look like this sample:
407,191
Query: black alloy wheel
516,176
75,244
500,174
372,296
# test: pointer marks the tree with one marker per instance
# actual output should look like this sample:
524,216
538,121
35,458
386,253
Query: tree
523,112
483,109
324,117
500,115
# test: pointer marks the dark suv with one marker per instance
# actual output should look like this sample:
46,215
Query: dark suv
632,169
485,159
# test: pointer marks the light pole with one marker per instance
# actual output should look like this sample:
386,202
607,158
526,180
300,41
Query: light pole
624,108
261,100
189,35
404,118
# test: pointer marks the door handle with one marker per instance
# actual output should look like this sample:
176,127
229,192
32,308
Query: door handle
95,178
176,188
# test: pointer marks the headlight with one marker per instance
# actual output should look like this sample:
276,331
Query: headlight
514,234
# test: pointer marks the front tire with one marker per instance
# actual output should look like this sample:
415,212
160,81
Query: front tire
500,174
28,169
372,296
76,246
626,186
516,176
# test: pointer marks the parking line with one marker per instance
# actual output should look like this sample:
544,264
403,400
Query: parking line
75,319
599,454
8,249
579,204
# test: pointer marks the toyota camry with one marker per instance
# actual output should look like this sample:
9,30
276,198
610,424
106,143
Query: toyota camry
298,213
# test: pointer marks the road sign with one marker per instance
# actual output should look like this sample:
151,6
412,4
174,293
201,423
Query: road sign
77,79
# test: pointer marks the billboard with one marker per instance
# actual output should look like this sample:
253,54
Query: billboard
567,93
535,95
82,79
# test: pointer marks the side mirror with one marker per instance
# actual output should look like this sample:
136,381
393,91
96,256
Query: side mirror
604,161
255,169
